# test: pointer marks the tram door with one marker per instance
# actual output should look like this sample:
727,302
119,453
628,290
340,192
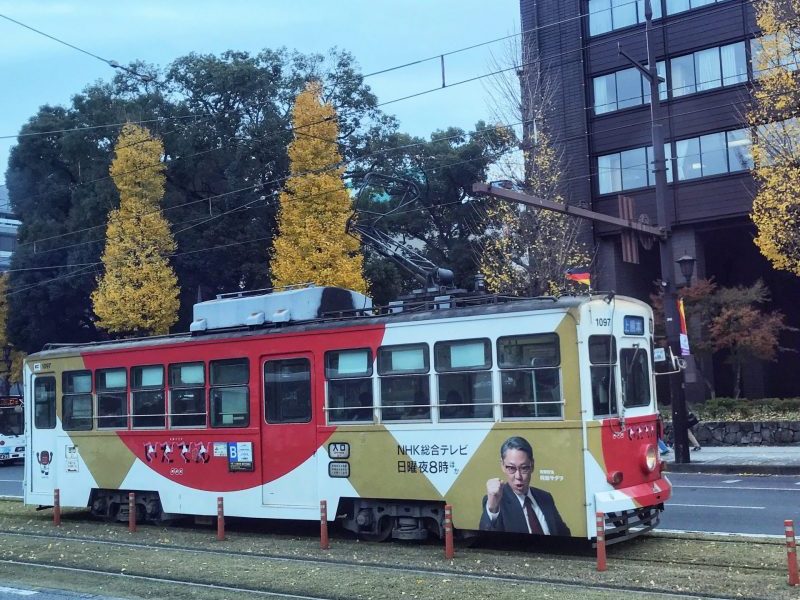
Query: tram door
288,442
40,453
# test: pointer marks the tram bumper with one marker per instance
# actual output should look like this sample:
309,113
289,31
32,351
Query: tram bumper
633,510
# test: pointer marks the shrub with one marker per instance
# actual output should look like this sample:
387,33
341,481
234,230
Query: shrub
730,409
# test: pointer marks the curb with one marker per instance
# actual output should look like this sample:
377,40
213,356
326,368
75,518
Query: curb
732,469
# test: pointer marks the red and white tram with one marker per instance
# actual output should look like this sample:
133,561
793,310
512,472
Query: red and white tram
278,401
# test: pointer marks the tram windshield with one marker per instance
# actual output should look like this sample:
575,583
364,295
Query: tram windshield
635,377
11,422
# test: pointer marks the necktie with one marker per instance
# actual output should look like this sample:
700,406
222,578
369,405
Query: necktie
533,522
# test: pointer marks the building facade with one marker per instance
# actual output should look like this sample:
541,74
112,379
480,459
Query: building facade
601,120
8,230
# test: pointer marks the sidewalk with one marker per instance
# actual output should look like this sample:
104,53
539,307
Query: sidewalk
764,460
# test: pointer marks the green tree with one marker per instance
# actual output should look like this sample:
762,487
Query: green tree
776,150
138,293
225,124
312,245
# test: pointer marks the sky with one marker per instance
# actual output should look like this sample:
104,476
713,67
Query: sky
380,34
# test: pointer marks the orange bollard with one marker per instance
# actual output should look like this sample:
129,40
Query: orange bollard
131,512
791,552
324,543
448,532
601,542
220,520
57,507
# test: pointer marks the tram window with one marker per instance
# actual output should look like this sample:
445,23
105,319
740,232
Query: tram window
530,376
635,378
44,403
603,360
229,392
187,395
287,390
147,393
112,403
404,381
463,379
76,402
349,385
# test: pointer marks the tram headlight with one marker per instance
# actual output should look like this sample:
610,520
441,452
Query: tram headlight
650,458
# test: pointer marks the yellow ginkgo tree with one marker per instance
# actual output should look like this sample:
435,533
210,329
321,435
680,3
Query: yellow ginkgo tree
312,246
775,117
138,292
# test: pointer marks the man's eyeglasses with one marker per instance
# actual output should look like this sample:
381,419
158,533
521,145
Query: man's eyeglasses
523,469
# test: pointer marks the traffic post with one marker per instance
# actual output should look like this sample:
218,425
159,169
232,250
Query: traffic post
220,520
601,542
131,512
324,543
791,552
57,507
448,531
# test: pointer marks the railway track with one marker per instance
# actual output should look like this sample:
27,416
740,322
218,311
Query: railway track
568,573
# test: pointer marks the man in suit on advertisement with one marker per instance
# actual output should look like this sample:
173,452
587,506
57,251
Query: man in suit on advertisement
513,505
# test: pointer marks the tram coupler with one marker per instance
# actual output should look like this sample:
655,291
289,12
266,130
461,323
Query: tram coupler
791,552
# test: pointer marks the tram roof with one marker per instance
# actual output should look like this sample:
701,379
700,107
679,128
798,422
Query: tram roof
409,313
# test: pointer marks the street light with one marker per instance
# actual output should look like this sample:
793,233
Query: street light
686,263
7,360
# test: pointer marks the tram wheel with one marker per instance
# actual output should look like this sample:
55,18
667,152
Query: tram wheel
385,526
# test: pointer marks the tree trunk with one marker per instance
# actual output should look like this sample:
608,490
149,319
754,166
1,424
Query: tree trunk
737,379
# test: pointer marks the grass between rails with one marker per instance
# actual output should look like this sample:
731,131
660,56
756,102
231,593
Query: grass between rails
710,567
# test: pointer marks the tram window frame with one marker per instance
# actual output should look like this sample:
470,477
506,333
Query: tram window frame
601,365
196,392
44,409
458,386
523,375
349,393
399,381
146,396
72,395
287,399
221,385
637,381
116,394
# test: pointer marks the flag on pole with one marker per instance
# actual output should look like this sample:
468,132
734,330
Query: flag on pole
580,275
684,334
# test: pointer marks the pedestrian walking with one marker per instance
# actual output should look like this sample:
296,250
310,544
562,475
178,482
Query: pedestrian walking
691,421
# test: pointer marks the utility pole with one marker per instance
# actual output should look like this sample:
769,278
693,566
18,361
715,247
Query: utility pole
671,322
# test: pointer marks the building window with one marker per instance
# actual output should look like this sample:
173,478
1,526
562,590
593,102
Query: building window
187,395
404,383
76,402
624,89
112,402
709,69
530,376
771,52
677,6
713,154
463,379
8,243
607,15
147,394
629,169
349,385
603,361
287,390
229,392
44,403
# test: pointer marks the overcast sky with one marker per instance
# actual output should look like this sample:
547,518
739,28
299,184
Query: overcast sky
36,70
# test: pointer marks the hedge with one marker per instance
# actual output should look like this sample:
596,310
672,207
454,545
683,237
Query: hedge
743,409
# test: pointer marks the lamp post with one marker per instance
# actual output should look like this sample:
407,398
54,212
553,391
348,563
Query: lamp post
7,360
686,263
